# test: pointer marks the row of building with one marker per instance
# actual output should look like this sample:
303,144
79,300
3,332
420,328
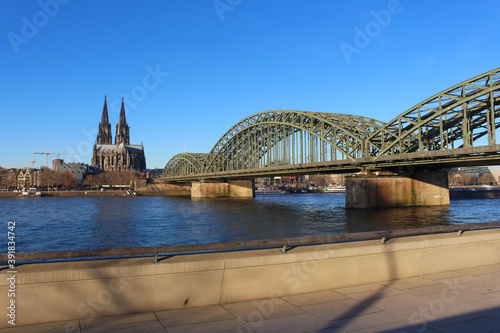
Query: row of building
32,178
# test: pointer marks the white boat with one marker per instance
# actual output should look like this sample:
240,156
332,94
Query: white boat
31,191
336,189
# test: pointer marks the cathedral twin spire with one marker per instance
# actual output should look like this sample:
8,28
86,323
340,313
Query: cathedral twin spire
104,135
122,129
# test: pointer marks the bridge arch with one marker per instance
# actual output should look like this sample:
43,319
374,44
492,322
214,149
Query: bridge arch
454,118
286,137
458,117
185,164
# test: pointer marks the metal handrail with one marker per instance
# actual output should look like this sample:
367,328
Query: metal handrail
283,243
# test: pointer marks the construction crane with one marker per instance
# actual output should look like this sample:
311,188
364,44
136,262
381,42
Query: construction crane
47,155
32,164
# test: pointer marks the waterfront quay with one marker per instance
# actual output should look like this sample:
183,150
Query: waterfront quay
464,300
432,281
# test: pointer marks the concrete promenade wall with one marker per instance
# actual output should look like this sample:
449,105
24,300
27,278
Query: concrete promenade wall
89,289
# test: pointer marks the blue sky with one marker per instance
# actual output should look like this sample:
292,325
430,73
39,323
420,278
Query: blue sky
189,70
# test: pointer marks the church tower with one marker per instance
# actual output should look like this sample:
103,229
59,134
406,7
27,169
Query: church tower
104,135
122,129
121,155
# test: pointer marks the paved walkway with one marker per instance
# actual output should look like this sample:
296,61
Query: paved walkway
457,301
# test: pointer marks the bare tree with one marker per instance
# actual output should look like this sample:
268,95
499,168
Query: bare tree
126,177
49,178
90,180
486,179
68,181
455,179
8,178
467,178
101,179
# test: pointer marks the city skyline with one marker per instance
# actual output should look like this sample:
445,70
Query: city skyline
189,72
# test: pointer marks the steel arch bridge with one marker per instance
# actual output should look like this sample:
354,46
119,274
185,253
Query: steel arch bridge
457,126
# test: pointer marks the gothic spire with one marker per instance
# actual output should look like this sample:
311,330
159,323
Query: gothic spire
105,118
122,129
122,120
104,135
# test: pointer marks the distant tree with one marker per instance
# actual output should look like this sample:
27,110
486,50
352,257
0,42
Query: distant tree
2,177
455,179
467,179
68,181
126,177
49,178
11,178
112,177
321,180
100,179
130,177
486,179
90,180
8,178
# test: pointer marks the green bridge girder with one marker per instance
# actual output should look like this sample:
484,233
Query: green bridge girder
459,123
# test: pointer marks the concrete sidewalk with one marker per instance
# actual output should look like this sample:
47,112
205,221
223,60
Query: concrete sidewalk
457,301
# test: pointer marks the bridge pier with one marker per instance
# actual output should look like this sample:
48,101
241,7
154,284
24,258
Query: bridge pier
417,189
230,189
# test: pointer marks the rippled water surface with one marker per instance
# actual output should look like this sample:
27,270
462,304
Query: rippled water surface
44,224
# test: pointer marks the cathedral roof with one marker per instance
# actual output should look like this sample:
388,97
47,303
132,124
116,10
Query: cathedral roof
112,148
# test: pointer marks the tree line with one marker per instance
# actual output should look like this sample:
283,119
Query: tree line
48,178
127,177
466,179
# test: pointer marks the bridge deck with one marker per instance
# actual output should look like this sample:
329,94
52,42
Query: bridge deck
455,301
439,159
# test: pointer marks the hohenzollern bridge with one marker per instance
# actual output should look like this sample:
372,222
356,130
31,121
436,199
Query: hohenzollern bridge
456,127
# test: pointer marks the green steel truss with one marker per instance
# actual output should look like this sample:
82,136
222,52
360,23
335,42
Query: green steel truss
186,164
459,119
455,118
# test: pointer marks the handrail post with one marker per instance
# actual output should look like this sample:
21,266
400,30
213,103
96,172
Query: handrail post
155,260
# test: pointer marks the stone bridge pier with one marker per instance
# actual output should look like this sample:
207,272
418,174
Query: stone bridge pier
230,189
416,189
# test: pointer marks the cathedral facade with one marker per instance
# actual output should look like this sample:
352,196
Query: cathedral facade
121,155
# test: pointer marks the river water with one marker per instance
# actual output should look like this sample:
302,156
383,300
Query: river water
46,224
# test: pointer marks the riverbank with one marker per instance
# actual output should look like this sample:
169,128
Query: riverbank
456,193
97,193
489,192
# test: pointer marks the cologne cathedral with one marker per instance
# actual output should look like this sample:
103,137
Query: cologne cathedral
121,155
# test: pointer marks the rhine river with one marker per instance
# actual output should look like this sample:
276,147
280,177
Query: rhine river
47,224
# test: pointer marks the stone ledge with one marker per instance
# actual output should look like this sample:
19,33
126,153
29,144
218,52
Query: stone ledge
116,268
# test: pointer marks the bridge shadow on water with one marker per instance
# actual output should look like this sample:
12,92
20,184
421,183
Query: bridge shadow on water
372,219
